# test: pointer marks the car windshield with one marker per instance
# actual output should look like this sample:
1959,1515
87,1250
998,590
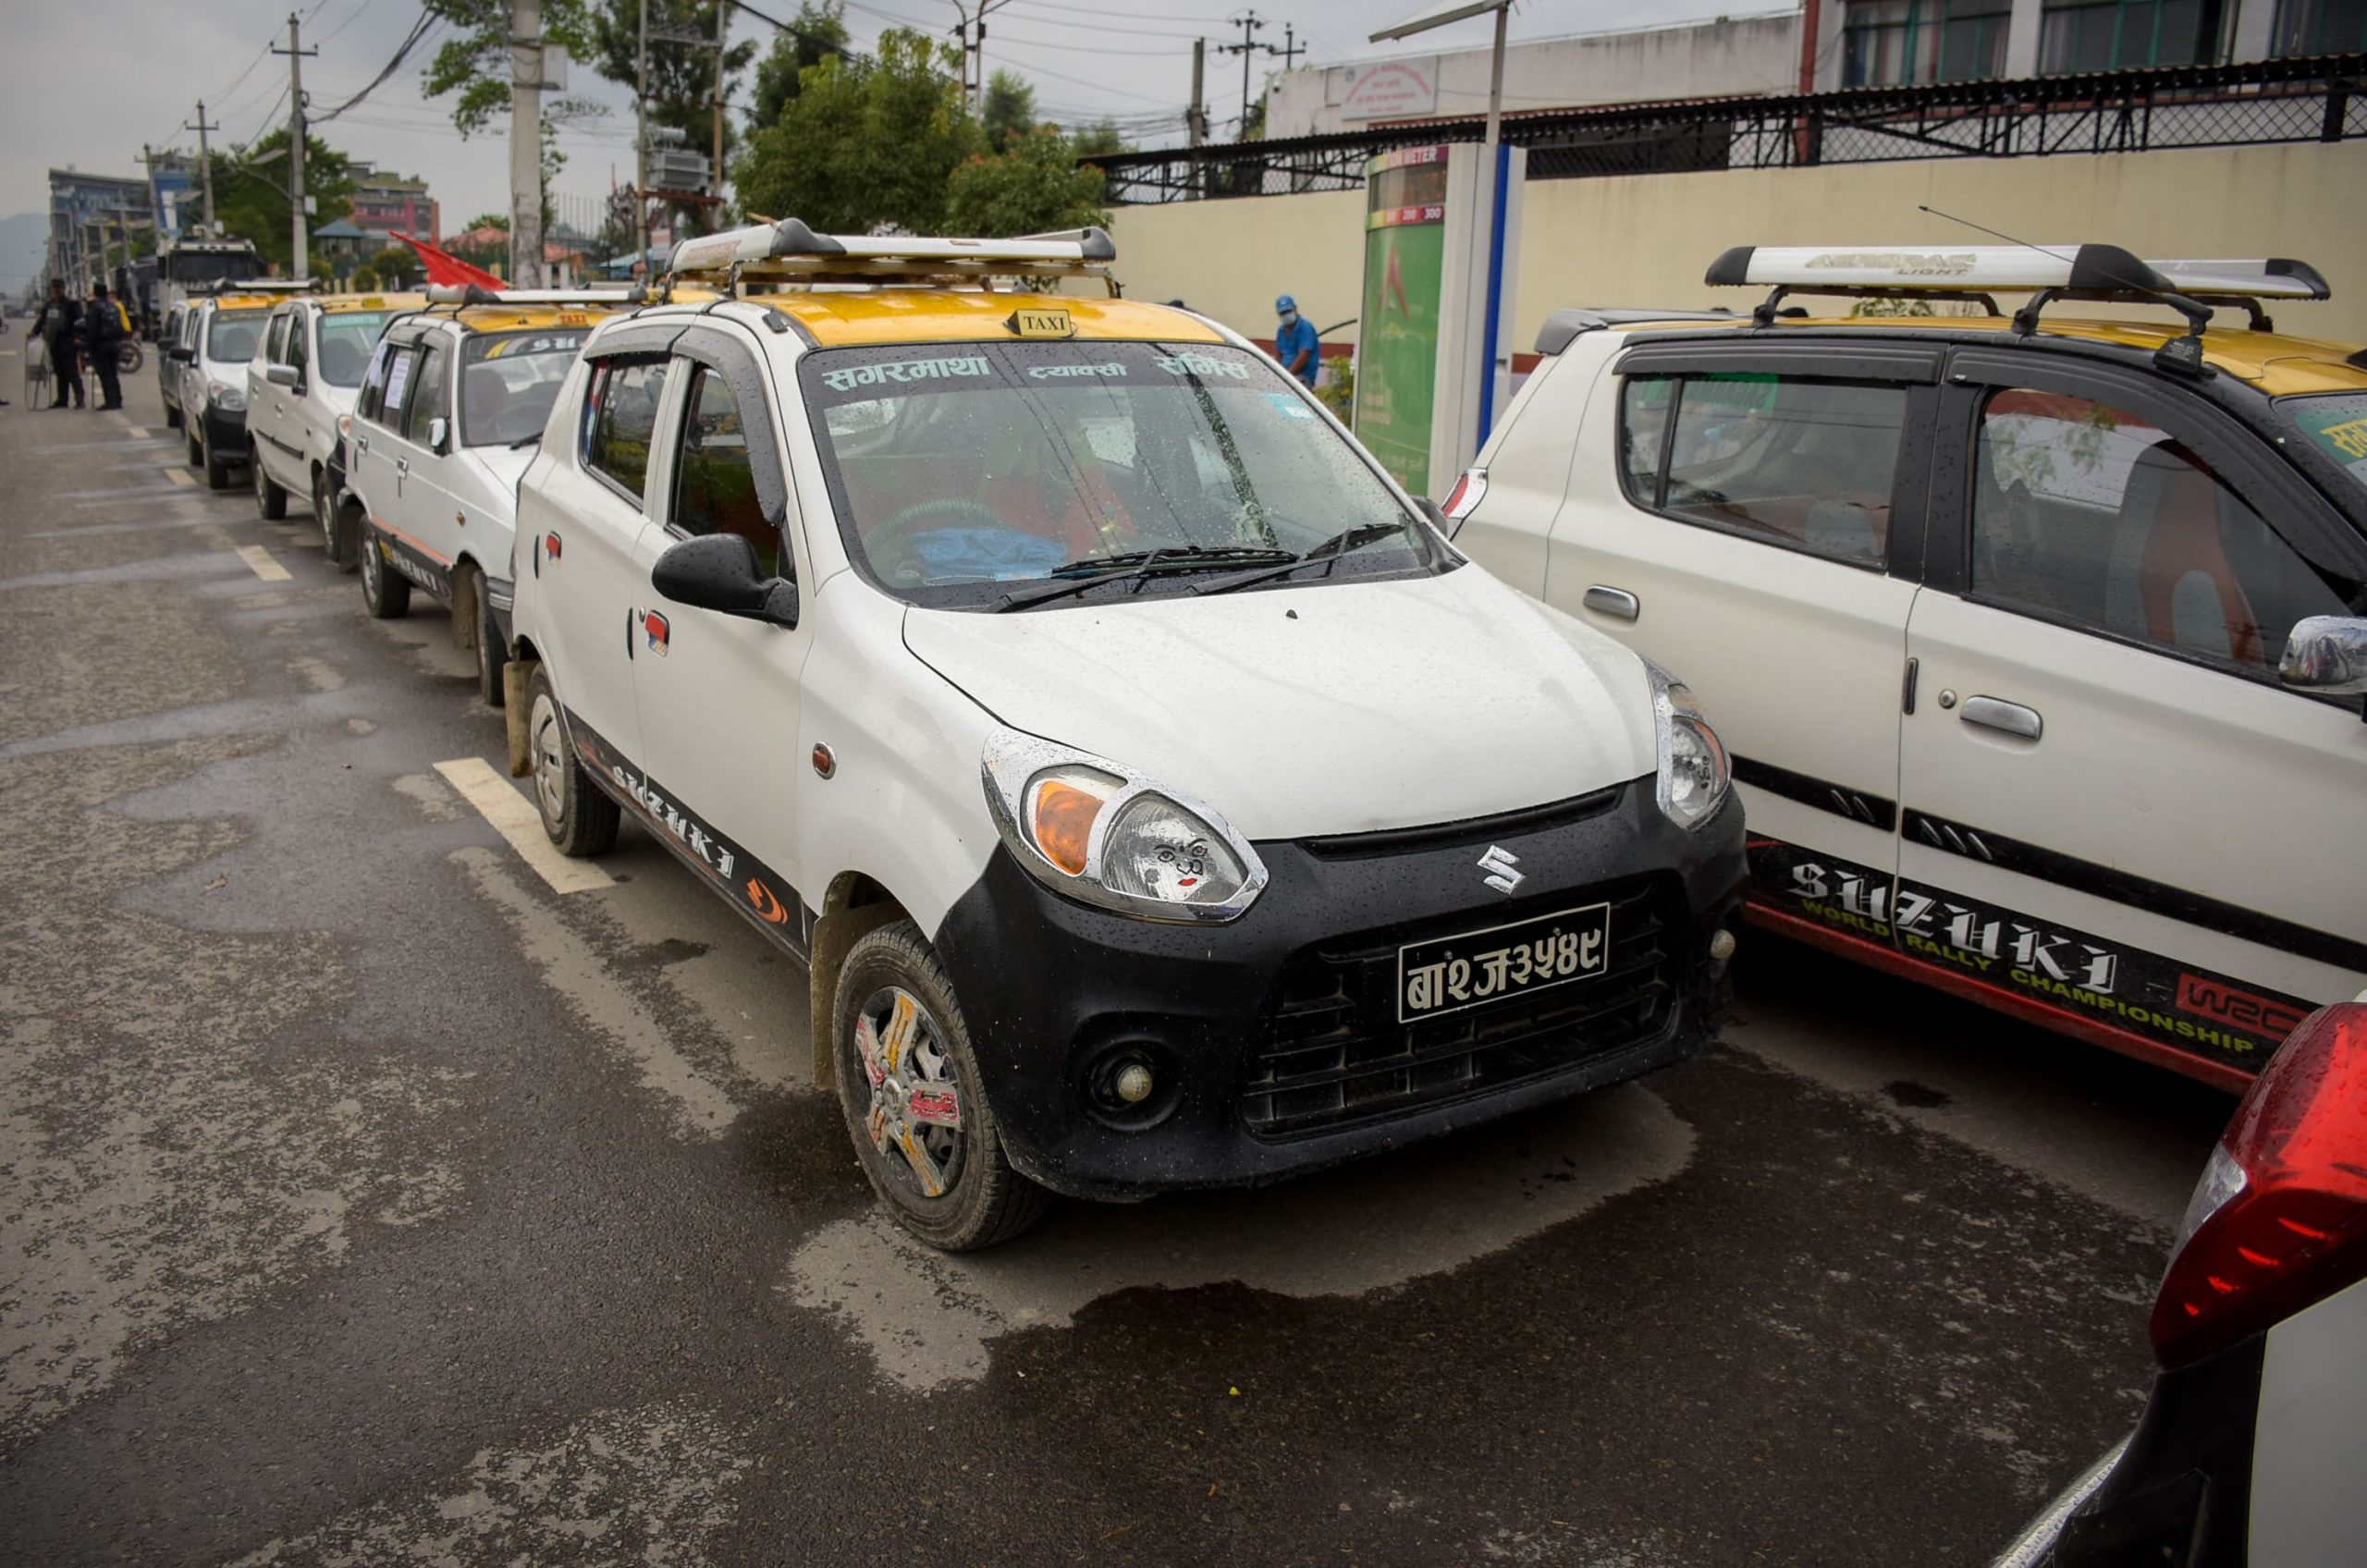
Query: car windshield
959,469
2335,423
347,338
232,335
509,381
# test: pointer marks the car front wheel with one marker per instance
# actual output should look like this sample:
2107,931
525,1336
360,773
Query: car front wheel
270,499
579,819
909,1086
385,592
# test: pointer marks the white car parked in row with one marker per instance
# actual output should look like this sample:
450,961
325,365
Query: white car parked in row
1157,799
303,379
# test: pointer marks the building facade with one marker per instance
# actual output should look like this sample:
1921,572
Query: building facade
391,205
95,220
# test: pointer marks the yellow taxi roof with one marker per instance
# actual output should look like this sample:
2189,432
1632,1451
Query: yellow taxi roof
246,301
872,316
2278,364
381,301
526,318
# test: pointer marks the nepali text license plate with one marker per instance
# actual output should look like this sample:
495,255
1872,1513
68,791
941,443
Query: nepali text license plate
1449,973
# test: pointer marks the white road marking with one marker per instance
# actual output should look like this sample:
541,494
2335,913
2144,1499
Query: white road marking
180,477
138,433
259,561
516,819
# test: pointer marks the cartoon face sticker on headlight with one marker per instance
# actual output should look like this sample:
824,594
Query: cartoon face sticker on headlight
1186,863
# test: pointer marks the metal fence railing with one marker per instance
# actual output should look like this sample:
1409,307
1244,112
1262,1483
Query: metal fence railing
2323,98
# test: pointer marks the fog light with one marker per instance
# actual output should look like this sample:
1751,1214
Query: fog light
1722,945
1134,1085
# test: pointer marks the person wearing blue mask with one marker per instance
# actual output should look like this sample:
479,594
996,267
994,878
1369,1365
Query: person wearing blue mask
1294,341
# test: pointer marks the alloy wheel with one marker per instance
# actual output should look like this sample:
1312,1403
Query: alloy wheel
549,743
915,1120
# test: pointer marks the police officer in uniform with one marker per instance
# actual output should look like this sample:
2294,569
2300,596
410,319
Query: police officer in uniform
102,333
61,319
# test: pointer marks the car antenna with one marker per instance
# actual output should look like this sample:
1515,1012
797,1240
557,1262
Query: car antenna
2183,355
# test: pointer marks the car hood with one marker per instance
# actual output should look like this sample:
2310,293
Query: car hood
1345,708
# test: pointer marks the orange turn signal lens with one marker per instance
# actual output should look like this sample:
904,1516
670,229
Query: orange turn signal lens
1063,816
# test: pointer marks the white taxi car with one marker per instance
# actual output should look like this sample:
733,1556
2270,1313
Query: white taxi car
450,405
1157,799
207,368
305,374
2037,641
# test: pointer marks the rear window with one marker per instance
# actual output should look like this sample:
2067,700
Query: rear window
2335,423
509,381
347,339
232,336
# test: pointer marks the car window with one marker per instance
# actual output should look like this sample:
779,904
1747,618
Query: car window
299,330
401,366
431,390
958,469
715,479
622,420
276,347
373,382
509,381
1793,460
2335,423
347,339
232,336
2089,513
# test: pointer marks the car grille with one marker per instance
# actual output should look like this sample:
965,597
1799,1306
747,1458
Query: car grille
1334,1055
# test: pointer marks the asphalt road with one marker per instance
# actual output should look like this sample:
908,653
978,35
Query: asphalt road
367,1200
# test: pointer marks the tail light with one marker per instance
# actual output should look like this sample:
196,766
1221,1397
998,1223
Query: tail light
2279,1219
1468,492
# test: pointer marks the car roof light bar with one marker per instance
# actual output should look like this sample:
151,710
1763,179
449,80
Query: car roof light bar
790,251
477,294
1974,268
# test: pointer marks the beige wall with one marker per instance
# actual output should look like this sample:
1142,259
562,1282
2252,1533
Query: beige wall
1646,240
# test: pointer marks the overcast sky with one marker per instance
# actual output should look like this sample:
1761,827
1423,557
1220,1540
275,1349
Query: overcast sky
90,81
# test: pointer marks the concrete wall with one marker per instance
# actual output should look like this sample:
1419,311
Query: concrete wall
1645,240
1716,59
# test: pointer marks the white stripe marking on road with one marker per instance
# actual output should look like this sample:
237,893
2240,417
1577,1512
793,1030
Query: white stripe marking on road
515,817
138,433
259,561
180,476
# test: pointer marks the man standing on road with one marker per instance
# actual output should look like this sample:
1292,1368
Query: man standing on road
58,324
102,333
1294,342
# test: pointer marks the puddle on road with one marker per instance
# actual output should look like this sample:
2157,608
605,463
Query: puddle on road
928,1318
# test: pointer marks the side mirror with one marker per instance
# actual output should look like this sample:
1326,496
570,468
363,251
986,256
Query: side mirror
1438,518
720,572
2327,654
438,432
283,375
178,355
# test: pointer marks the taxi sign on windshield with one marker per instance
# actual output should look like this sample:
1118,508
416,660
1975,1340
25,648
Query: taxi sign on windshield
1053,323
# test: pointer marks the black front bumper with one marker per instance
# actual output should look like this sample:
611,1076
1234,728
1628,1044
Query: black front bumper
224,435
1273,1040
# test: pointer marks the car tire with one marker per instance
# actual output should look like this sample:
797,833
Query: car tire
980,1200
492,656
172,417
324,517
270,499
580,821
196,452
218,473
385,592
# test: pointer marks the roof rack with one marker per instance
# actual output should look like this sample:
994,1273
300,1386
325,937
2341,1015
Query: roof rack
477,294
788,252
2049,272
1564,327
260,285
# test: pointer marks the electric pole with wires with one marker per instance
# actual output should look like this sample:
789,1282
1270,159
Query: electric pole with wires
1250,24
204,161
300,263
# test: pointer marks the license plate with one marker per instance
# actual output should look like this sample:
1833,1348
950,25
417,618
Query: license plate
1449,973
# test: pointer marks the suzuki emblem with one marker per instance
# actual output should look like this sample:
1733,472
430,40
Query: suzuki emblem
1500,866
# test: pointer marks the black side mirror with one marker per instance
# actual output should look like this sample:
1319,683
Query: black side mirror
720,571
1437,514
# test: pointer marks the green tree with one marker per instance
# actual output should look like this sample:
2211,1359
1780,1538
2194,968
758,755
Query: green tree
867,141
1102,138
474,63
1010,109
1034,188
363,280
251,192
683,84
817,30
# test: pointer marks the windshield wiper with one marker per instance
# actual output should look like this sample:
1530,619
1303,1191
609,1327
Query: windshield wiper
1331,549
1129,564
526,440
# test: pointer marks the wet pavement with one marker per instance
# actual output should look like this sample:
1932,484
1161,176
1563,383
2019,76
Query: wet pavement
364,1199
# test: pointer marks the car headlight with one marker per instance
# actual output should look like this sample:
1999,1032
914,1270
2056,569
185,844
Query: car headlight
1694,775
1101,833
223,396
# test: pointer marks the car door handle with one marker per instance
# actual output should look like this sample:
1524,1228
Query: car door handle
1617,603
2011,717
402,465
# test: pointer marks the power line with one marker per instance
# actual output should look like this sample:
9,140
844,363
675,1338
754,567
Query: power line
419,31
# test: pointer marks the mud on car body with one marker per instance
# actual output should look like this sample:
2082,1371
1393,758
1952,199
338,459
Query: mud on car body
1159,799
450,409
2040,641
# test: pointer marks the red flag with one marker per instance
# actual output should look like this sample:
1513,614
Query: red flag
444,268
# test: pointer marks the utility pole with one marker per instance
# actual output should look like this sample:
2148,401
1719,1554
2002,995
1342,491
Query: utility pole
1250,25
525,143
1195,118
641,147
1291,49
300,265
204,162
974,50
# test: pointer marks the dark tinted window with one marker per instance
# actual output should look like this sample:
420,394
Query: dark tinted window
1787,460
2089,513
622,421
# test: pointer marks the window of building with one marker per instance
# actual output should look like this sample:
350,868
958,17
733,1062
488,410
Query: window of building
2109,35
2086,513
621,420
1892,41
2318,26
1790,461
